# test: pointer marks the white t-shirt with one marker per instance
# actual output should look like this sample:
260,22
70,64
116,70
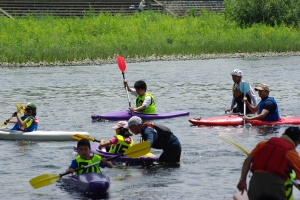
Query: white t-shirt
147,100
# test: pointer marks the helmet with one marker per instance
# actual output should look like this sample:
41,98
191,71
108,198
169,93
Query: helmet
31,106
236,72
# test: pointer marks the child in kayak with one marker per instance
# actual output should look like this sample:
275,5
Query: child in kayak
28,122
144,101
86,158
121,142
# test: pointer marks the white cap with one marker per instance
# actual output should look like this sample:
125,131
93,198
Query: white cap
134,121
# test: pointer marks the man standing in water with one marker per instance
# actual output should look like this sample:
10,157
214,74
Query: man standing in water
238,95
159,136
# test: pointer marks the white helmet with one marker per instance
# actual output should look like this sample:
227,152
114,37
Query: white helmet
236,72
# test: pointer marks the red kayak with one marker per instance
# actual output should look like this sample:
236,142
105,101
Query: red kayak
236,120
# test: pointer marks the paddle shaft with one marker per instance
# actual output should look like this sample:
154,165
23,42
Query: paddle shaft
9,118
126,91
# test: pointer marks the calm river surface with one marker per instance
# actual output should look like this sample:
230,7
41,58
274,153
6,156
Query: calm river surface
66,97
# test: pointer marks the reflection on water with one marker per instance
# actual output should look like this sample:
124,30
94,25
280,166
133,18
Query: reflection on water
66,98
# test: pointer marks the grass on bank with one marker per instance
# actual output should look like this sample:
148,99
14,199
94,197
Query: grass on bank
53,39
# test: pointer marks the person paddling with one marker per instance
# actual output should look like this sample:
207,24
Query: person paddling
85,157
267,109
28,122
238,95
144,101
159,136
121,142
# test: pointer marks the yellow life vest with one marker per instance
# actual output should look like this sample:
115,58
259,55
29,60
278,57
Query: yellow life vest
151,108
289,187
236,93
80,162
121,146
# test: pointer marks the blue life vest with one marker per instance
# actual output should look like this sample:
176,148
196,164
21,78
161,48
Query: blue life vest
269,117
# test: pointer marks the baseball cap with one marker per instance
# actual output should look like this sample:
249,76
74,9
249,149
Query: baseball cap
293,133
134,121
31,106
120,124
262,86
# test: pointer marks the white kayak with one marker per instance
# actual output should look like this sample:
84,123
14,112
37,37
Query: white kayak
7,134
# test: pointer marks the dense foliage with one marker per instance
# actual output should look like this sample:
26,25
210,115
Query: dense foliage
270,12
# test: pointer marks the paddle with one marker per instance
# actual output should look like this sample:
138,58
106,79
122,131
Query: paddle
20,110
247,153
134,151
80,136
122,66
244,87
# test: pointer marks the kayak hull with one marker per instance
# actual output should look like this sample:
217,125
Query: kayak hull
126,114
7,134
148,158
89,182
236,120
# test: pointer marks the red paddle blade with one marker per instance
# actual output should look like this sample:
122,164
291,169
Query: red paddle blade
121,63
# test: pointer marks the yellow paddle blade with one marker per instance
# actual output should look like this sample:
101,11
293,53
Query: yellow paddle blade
20,108
43,180
80,136
234,144
3,123
138,150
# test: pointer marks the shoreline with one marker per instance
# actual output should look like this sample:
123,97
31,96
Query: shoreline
153,58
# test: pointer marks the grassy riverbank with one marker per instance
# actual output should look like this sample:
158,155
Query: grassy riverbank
53,39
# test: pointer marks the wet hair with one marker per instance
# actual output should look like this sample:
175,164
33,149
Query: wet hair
124,132
293,133
83,142
140,85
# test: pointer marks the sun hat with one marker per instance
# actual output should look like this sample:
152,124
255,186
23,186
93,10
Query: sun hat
31,106
120,124
262,86
134,121
236,72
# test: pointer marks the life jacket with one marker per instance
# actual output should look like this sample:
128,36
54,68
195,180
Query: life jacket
163,135
151,108
93,158
238,97
269,117
271,158
121,146
289,187
31,124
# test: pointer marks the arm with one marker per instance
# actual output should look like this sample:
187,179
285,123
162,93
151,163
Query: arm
242,185
263,113
150,135
104,143
107,163
252,108
232,105
72,167
126,85
252,95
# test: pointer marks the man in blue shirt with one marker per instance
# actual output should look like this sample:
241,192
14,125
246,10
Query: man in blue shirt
159,136
267,109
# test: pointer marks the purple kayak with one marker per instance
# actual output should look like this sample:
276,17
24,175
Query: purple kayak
89,182
126,114
149,157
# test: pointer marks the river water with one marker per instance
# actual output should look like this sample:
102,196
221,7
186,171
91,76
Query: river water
66,97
